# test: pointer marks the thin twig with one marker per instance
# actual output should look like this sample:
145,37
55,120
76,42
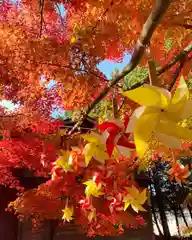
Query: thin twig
60,14
161,70
69,127
182,55
120,107
41,16
186,26
177,73
13,115
103,15
149,27
75,69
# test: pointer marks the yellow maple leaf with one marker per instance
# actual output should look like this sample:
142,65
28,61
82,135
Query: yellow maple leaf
92,189
67,214
135,198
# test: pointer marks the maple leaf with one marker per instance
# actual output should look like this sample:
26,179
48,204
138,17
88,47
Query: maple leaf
67,214
179,173
95,148
93,189
68,50
135,199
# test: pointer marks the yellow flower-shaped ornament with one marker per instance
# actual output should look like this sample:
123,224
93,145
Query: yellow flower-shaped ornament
93,189
135,198
96,148
64,161
67,214
159,116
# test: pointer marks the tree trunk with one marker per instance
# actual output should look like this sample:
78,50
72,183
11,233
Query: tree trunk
153,208
177,221
8,221
160,203
183,216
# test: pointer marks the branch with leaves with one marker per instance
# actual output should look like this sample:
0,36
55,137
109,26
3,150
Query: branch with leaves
178,58
100,164
41,6
149,27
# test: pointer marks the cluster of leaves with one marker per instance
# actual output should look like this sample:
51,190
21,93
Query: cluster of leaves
99,170
83,176
35,42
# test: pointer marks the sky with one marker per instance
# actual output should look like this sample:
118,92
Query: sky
9,105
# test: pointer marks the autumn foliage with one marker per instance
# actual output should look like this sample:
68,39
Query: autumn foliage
89,178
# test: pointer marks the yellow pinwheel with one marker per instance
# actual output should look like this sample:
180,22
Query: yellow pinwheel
64,161
96,148
135,199
93,189
67,214
159,116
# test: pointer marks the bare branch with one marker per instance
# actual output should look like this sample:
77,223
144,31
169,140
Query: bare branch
41,16
75,69
120,107
60,14
182,55
12,115
161,70
177,73
103,15
149,27
186,26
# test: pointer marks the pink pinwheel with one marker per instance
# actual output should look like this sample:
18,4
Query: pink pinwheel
115,203
116,136
85,203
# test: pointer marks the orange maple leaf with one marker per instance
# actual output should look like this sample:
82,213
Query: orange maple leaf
179,173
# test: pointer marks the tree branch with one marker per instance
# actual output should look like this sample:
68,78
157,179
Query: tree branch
60,14
13,115
41,16
186,26
103,15
182,55
75,69
121,106
149,27
177,73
